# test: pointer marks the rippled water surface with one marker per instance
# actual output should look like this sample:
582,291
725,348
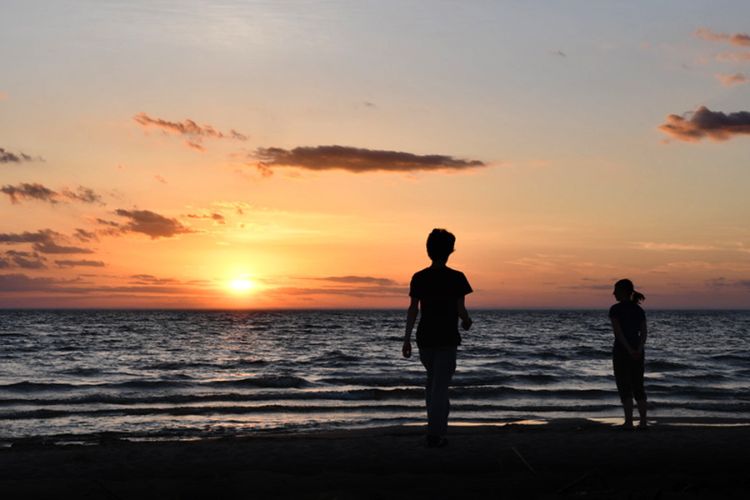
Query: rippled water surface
187,374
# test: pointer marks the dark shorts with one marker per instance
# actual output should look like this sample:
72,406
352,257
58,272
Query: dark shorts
628,375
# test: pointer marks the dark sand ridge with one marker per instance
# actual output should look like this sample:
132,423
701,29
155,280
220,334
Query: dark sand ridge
563,459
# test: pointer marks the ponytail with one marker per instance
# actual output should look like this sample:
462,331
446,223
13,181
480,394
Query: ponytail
626,286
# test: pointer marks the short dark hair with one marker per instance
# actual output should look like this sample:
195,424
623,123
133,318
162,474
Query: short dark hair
440,244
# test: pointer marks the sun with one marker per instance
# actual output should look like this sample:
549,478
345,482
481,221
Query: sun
241,285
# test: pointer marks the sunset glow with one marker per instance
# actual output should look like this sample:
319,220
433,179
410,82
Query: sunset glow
241,285
275,155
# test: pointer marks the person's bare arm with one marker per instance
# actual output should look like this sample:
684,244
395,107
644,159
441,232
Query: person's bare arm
411,318
620,337
464,314
644,334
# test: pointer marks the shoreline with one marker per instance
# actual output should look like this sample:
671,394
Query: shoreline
560,459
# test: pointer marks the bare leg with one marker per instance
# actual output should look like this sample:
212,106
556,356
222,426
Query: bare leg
627,405
642,411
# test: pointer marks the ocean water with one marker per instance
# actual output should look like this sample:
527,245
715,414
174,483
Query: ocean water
188,374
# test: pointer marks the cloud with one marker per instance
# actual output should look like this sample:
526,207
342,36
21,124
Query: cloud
149,223
364,280
3,95
77,263
731,80
702,123
8,157
26,191
725,283
82,194
733,57
737,39
35,191
679,247
150,279
17,282
215,216
43,241
83,235
193,132
23,260
357,160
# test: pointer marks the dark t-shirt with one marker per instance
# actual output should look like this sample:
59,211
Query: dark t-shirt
438,290
630,316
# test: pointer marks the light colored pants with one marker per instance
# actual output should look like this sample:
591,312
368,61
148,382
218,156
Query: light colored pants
440,365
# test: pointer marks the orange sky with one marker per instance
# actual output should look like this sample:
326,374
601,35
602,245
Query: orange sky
304,155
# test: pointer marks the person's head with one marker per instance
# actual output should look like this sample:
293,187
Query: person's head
440,245
625,292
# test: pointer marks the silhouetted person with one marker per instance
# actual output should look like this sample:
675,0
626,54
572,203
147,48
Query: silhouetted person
438,292
629,326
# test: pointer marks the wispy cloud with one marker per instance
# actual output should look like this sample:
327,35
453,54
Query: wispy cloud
737,39
29,191
9,157
43,241
730,80
703,123
35,191
723,282
193,133
357,160
214,216
675,247
146,222
363,280
22,260
733,57
79,263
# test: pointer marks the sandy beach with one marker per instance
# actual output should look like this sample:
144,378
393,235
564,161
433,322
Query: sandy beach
561,459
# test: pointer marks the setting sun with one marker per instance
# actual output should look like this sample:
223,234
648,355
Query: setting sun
241,285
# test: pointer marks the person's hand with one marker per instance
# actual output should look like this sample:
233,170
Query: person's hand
406,349
637,354
466,323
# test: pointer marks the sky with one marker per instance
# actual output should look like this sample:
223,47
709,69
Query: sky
296,154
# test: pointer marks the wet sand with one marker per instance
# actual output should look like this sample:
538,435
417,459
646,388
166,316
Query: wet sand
562,459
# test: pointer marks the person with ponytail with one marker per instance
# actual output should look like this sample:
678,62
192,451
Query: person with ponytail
629,327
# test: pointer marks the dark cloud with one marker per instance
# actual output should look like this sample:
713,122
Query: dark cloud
55,248
364,280
36,191
738,39
40,236
8,157
43,241
82,194
215,216
359,292
83,235
149,223
702,123
15,283
726,283
193,132
150,279
23,260
357,160
29,191
81,263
